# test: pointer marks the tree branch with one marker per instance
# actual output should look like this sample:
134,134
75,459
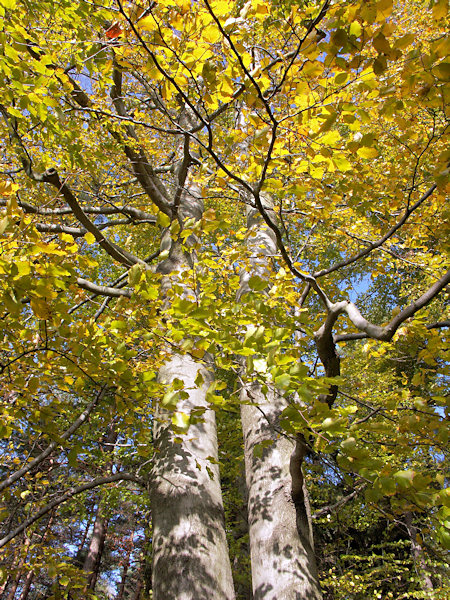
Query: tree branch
347,337
332,507
386,333
141,167
102,290
134,213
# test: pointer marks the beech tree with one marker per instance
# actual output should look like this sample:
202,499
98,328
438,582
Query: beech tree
207,207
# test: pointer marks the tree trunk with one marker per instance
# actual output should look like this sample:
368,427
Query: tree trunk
281,548
78,560
125,567
139,586
13,588
92,561
417,554
26,586
190,551
282,556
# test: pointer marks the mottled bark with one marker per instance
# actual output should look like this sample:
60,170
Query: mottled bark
281,549
282,555
190,552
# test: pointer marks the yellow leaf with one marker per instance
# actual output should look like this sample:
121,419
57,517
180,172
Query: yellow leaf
367,152
3,224
40,308
7,188
260,8
66,237
163,219
89,237
440,9
181,421
148,24
355,29
211,34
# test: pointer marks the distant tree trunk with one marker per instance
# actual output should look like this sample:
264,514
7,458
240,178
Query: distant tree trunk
80,553
125,567
26,586
190,551
16,580
281,547
139,586
30,575
93,558
417,554
4,585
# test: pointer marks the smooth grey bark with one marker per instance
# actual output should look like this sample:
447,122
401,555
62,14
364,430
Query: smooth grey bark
190,551
282,555
281,548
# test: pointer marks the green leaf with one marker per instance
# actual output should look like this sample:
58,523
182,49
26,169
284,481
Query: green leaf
135,274
283,381
257,283
181,422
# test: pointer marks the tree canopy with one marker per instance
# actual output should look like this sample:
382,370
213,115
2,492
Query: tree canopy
221,219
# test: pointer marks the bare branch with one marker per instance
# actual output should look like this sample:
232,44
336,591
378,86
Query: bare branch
386,333
102,290
333,507
347,337
123,256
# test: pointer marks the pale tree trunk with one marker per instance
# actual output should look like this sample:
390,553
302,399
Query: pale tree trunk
190,552
281,548
282,555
